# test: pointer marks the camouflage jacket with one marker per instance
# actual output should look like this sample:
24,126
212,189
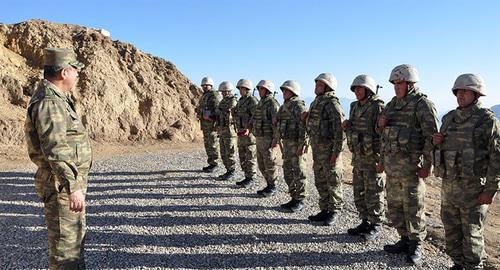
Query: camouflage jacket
411,123
207,107
262,119
288,122
224,113
471,147
244,110
56,138
324,121
362,138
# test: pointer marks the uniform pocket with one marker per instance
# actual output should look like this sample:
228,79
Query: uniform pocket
450,158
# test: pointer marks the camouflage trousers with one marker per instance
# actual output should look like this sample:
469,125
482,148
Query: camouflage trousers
463,219
327,176
66,230
227,141
211,145
405,195
294,170
368,190
247,154
266,159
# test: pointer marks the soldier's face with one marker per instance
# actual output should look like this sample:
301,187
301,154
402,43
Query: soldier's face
262,91
400,88
320,88
226,93
243,91
287,94
70,78
360,92
465,98
206,87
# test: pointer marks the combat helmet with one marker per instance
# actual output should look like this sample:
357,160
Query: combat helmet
328,79
407,73
292,86
244,83
225,86
207,81
365,81
267,84
469,81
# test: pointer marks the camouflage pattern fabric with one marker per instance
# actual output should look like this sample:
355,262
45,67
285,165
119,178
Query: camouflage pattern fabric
406,146
326,138
266,159
243,112
60,147
292,132
226,130
207,108
364,144
468,160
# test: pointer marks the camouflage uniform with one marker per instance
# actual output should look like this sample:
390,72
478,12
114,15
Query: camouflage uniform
60,147
406,147
207,106
243,112
227,134
468,160
326,138
292,132
364,143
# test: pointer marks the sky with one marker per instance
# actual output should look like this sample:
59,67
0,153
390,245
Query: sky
281,40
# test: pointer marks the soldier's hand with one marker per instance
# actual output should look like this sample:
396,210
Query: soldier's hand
333,159
274,145
382,121
77,201
301,150
243,132
346,124
424,172
379,168
485,198
438,138
303,116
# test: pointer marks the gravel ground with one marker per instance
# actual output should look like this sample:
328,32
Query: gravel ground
159,211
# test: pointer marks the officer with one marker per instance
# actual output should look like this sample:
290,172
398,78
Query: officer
293,140
60,147
467,157
364,143
226,129
264,131
207,116
243,112
326,137
407,125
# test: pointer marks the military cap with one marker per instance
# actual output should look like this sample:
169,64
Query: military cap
61,57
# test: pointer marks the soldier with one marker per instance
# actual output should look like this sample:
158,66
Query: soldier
326,136
206,113
407,125
467,157
292,134
60,147
243,112
264,131
364,143
226,129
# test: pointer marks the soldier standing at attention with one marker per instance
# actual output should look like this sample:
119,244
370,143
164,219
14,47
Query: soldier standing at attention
292,133
265,133
206,113
467,157
243,112
326,136
226,130
407,125
60,147
364,144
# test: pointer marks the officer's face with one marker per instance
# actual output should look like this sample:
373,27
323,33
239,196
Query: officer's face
262,91
243,91
320,88
287,94
465,98
70,78
400,87
360,92
206,87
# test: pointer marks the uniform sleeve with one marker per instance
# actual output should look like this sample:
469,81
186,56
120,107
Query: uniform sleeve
335,117
493,173
379,107
303,138
273,111
51,124
427,117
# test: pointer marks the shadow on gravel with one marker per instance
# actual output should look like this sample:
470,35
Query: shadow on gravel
16,175
186,196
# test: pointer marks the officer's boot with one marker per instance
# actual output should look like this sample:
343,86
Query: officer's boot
245,182
287,205
209,168
319,217
268,191
399,247
297,206
228,174
330,218
373,232
414,252
361,228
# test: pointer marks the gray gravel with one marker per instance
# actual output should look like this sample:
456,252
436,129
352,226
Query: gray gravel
159,211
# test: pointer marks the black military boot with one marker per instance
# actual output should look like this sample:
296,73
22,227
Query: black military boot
209,168
228,174
330,218
267,191
297,206
399,247
287,205
319,217
414,252
361,228
372,232
457,267
245,182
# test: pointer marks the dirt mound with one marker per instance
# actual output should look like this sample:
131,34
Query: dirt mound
123,94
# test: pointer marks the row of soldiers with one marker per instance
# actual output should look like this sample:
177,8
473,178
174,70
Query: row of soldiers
401,139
